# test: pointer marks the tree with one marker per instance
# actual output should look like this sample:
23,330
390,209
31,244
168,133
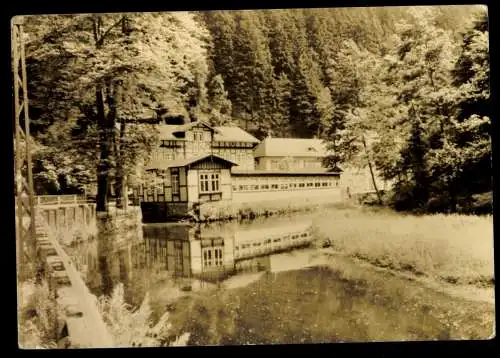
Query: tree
253,72
358,110
280,125
221,108
418,66
308,118
463,166
119,65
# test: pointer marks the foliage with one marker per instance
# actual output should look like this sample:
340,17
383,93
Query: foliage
37,316
359,78
413,102
90,74
134,327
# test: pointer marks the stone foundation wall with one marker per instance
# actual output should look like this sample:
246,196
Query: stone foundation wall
163,212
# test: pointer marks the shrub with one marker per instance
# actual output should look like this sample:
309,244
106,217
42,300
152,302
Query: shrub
132,327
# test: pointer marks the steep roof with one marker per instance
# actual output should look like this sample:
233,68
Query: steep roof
233,134
293,147
165,164
221,133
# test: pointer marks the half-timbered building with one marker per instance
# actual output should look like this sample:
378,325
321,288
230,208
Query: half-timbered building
180,142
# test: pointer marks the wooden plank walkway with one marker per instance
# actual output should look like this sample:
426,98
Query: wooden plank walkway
85,325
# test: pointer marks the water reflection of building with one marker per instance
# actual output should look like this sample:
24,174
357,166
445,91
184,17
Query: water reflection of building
215,251
209,252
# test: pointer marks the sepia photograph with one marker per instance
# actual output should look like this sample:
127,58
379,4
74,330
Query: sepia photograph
253,177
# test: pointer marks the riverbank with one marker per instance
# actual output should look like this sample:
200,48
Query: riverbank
453,249
221,211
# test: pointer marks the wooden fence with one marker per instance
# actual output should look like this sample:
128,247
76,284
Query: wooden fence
60,199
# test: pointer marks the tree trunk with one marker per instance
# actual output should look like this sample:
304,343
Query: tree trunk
103,164
371,171
453,196
121,180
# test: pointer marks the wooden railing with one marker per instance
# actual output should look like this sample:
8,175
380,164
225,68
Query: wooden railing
60,199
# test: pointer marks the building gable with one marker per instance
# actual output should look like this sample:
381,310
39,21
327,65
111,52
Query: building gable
209,161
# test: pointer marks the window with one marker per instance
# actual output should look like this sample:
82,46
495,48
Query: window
301,185
284,186
215,182
218,257
209,183
317,184
255,187
207,258
309,184
274,186
324,184
175,183
265,187
235,188
204,183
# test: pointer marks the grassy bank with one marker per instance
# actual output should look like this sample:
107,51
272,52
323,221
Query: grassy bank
231,210
453,248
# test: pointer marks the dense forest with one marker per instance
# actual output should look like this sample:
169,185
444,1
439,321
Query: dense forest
403,91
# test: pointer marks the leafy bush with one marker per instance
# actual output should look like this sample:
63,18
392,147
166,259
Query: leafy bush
38,315
134,327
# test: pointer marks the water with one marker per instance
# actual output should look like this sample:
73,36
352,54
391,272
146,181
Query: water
262,282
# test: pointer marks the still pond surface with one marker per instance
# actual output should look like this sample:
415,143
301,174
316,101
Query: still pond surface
262,282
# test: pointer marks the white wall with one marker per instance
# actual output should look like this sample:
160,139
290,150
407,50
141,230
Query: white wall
328,193
193,182
284,163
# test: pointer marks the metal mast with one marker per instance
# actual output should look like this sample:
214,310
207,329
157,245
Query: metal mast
25,203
